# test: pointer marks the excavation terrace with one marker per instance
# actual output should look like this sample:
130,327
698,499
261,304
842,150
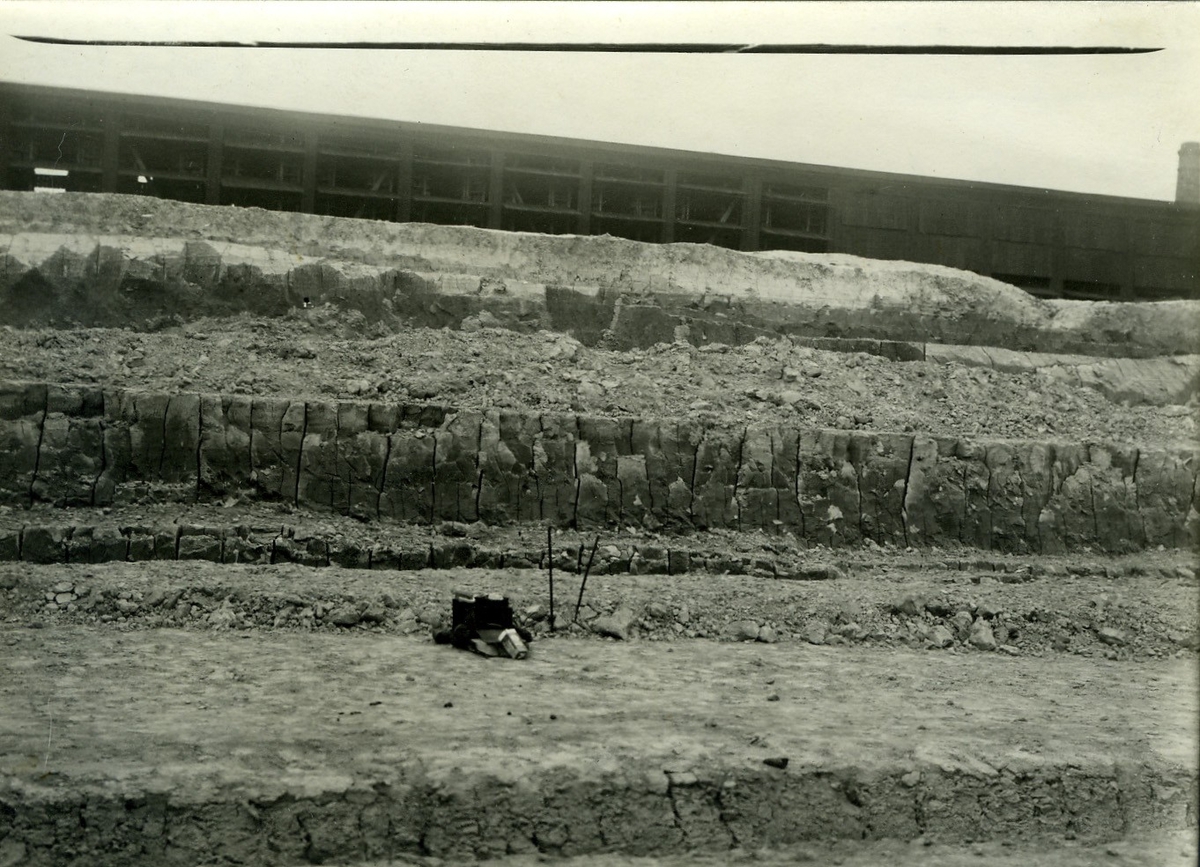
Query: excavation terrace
882,560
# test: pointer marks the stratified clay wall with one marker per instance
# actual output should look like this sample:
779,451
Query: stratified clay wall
127,260
423,463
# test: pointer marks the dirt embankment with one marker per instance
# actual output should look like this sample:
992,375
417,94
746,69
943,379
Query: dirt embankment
114,260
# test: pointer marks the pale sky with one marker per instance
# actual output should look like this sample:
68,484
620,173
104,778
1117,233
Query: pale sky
1101,124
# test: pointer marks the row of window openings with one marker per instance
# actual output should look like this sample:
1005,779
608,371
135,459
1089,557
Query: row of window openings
87,152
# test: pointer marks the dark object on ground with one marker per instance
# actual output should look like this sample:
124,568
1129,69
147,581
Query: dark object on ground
780,762
484,624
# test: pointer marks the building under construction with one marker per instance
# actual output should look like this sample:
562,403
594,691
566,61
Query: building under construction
1050,243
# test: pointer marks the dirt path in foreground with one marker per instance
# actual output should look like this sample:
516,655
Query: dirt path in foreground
662,745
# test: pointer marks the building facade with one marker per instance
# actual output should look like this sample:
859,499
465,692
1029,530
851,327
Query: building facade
1052,244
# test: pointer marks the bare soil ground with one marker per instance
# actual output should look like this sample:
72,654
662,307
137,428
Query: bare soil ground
204,717
1144,611
326,353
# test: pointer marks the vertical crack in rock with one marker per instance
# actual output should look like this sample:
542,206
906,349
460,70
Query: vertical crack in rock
797,489
1020,481
299,452
1091,478
776,522
280,454
912,452
678,817
537,440
1051,460
695,470
199,445
480,469
37,456
433,487
162,455
1137,502
862,530
306,839
66,543
103,466
578,436
250,441
1185,542
737,476
575,474
338,445
991,541
962,524
387,457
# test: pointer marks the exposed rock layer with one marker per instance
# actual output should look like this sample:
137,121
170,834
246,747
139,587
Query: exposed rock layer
127,260
74,446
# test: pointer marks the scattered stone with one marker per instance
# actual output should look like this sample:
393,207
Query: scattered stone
814,632
814,572
12,852
962,623
939,608
376,612
658,610
1112,636
981,635
223,618
616,625
911,778
910,604
940,636
989,610
744,630
431,615
780,762
767,635
63,587
1009,649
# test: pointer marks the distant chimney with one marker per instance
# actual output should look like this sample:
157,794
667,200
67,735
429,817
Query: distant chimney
1187,187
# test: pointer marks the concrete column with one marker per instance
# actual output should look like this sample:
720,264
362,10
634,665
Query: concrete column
112,149
216,145
308,175
671,178
496,191
404,171
584,226
751,213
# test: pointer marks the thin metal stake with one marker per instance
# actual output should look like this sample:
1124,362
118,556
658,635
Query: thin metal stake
583,583
550,562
